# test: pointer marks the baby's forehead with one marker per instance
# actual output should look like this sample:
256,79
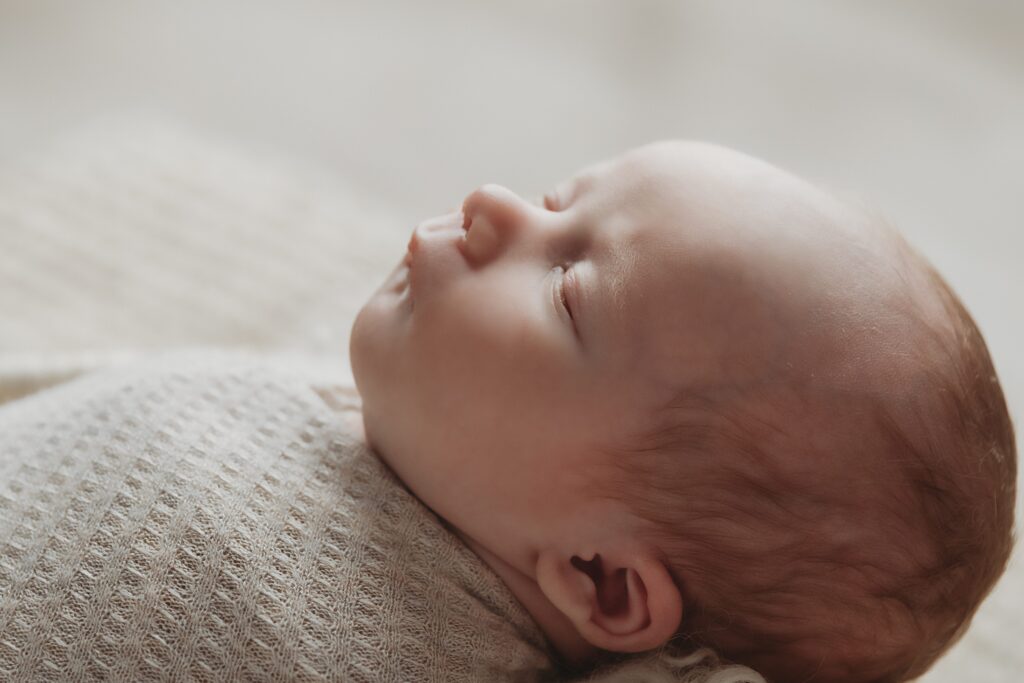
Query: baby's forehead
673,181
666,159
641,168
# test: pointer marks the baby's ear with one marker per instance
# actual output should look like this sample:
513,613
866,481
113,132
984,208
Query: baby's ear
623,599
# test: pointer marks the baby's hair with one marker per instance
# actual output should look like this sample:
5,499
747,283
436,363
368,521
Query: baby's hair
810,558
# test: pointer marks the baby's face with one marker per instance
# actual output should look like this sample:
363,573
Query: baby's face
676,262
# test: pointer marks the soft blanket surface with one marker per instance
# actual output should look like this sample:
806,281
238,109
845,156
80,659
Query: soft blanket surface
207,517
137,236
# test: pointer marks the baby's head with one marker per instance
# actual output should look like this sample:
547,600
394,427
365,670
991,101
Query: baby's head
687,393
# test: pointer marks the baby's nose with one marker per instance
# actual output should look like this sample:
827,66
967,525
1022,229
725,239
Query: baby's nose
498,203
482,239
491,213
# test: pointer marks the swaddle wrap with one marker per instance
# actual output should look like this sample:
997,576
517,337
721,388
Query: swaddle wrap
206,515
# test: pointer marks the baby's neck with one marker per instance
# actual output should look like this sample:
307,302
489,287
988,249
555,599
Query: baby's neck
575,651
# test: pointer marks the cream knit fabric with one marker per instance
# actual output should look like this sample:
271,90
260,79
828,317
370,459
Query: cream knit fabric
207,515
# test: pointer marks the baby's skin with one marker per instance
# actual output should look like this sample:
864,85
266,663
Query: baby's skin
517,337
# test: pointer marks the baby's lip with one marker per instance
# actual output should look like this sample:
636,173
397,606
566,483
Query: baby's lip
407,266
438,227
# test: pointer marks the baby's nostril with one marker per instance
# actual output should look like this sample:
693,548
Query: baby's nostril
481,239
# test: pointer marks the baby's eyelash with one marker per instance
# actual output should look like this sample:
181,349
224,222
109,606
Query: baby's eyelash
561,292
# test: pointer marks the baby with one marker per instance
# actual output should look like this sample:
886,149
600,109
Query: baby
687,394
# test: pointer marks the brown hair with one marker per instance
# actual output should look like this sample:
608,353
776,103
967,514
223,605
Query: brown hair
822,559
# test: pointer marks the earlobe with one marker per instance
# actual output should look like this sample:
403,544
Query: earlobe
621,601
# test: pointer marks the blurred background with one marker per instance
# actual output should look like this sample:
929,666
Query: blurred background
381,114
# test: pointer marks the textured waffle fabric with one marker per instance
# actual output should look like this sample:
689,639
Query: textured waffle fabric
207,516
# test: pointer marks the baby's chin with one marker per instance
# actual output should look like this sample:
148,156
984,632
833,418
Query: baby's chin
376,338
375,434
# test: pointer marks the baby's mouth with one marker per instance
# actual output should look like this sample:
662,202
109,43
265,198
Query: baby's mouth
401,278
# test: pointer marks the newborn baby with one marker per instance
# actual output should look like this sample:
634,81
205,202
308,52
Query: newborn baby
689,394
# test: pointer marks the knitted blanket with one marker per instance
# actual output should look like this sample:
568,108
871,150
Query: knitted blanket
212,518
209,515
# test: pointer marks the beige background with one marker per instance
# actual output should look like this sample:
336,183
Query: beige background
916,106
